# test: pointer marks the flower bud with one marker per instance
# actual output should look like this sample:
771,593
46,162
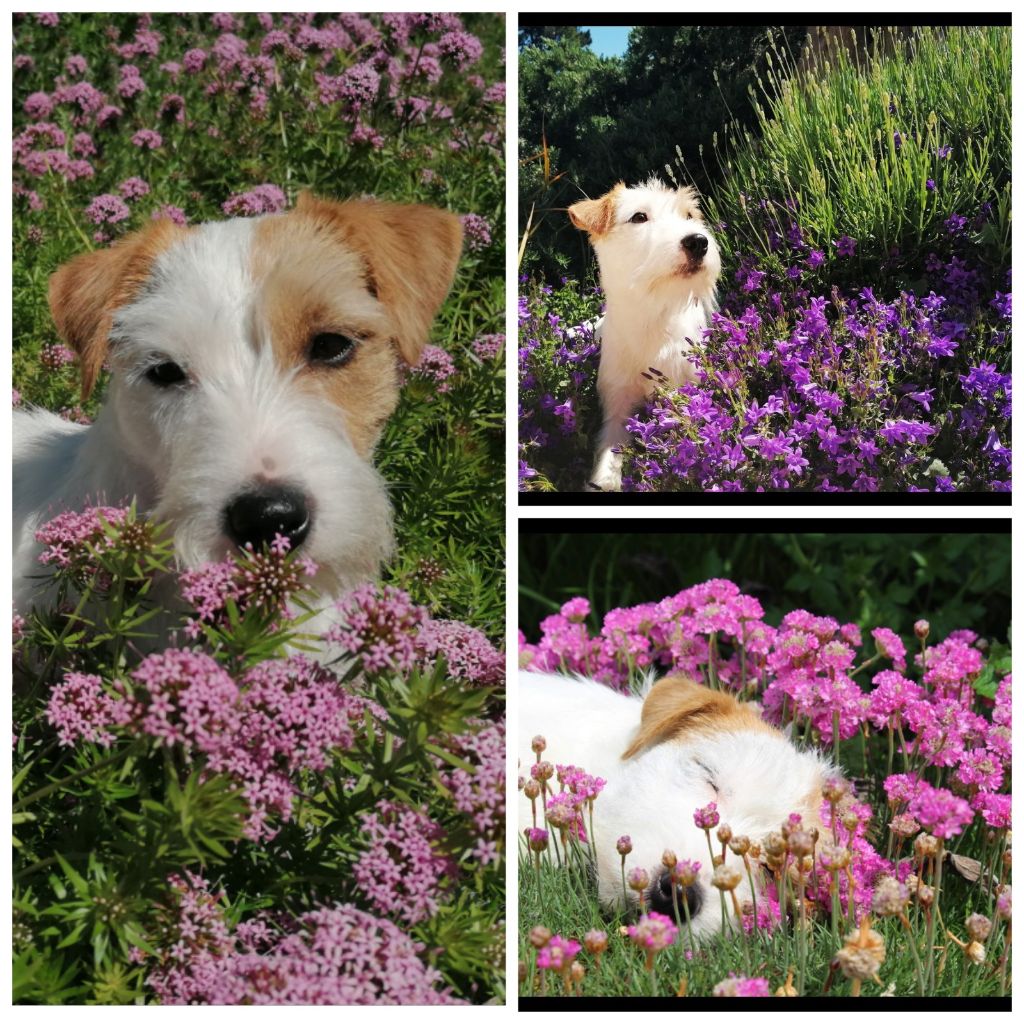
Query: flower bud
668,858
531,789
926,845
542,770
638,879
975,952
595,942
978,927
835,789
739,845
539,936
624,845
724,833
800,843
726,877
903,826
538,744
921,628
576,972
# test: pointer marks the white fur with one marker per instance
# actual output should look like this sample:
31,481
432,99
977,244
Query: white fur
760,778
183,453
658,302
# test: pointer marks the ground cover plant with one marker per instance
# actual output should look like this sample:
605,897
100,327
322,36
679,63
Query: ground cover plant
215,806
863,339
905,891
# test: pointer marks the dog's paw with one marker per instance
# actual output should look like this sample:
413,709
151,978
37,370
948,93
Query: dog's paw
607,475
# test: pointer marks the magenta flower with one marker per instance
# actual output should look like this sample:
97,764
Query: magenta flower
706,817
557,954
654,932
939,811
890,646
477,231
845,246
133,188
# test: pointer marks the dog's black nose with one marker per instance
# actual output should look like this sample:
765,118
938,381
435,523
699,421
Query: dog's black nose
695,245
257,517
660,897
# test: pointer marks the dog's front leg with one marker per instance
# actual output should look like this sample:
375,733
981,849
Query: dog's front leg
607,474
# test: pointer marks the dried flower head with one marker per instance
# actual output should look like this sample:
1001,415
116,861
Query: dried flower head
739,845
539,936
538,744
726,877
668,858
800,843
724,833
979,927
889,897
595,942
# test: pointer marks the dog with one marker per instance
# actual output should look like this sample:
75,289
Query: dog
254,363
663,754
659,266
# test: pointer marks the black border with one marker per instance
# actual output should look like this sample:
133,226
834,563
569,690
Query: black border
622,524
835,1004
721,18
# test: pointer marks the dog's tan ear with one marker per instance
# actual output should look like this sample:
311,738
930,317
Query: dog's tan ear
595,216
677,705
85,292
411,252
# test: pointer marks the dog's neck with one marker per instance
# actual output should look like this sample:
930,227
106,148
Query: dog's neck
658,314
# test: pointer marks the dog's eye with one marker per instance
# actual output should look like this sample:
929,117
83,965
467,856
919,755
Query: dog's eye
331,349
638,218
165,375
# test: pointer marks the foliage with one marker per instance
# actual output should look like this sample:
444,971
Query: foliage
120,834
954,579
608,119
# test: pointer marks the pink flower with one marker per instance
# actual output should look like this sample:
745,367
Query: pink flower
80,709
382,627
133,188
476,230
557,954
706,817
107,209
939,811
890,646
402,871
435,364
146,138
261,199
654,932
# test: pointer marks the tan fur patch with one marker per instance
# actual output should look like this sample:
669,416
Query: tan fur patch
677,706
314,278
411,253
596,216
85,292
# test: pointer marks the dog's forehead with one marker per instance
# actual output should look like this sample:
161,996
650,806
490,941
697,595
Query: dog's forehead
219,285
659,199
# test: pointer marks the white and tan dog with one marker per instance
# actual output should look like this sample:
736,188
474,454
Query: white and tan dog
254,363
659,267
663,754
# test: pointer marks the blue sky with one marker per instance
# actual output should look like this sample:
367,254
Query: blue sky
608,40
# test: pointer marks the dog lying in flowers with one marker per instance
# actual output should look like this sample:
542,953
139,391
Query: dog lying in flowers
659,267
254,363
675,762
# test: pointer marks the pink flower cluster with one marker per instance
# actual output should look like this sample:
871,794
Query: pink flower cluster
262,579
265,198
328,956
70,539
437,365
390,633
557,953
281,718
402,870
479,793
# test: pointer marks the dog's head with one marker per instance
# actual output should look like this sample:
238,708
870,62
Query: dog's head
254,363
695,746
651,238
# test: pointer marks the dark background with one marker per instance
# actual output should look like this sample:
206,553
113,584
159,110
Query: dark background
955,580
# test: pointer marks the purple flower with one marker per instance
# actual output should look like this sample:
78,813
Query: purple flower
845,246
939,811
